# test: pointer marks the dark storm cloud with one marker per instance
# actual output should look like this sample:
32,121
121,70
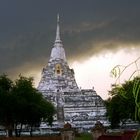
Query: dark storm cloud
27,29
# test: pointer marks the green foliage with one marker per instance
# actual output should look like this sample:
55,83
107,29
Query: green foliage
130,90
5,84
21,103
137,136
84,136
117,72
136,94
121,106
6,103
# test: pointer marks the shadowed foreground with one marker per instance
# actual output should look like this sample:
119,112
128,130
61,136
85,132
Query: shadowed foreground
33,138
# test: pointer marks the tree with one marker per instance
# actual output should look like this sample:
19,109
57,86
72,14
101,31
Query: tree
117,72
31,107
121,106
22,104
6,104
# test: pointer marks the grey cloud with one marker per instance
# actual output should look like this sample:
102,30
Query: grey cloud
104,35
27,30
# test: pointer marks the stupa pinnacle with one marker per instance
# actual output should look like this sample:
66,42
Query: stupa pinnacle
58,31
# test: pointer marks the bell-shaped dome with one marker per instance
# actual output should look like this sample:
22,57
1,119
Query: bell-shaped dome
58,52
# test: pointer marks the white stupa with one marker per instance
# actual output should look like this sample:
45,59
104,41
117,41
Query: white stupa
79,107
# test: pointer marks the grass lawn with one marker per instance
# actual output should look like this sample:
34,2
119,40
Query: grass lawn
84,136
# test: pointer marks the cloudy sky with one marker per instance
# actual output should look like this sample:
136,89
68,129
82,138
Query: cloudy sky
97,35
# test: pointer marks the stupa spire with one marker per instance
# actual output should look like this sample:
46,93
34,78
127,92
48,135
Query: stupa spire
58,51
57,31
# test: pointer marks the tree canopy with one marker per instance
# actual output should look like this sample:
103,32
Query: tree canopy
22,104
122,104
